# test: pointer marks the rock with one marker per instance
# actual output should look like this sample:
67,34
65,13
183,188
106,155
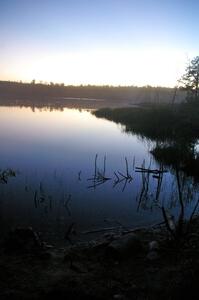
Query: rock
47,246
132,292
154,245
153,250
134,287
126,245
119,297
152,255
22,240
109,236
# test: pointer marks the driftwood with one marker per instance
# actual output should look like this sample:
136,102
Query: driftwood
125,231
102,229
155,171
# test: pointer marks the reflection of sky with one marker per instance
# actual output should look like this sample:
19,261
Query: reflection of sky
114,41
54,137
49,149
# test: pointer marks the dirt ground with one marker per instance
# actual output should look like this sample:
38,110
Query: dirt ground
145,264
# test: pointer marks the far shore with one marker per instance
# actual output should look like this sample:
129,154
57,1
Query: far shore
84,97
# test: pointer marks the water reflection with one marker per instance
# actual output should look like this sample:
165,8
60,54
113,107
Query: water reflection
59,154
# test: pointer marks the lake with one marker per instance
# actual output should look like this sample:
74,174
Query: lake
57,153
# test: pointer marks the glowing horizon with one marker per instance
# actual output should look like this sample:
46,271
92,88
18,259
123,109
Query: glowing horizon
140,68
112,42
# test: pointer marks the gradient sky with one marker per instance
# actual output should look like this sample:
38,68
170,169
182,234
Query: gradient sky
114,42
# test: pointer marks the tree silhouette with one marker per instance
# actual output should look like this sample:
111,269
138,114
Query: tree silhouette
190,79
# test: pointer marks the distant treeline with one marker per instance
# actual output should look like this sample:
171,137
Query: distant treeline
38,93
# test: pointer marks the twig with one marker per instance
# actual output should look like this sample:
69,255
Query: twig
167,222
104,166
35,199
101,230
194,210
127,168
95,165
79,175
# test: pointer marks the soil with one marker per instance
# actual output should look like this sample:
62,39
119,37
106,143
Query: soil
146,264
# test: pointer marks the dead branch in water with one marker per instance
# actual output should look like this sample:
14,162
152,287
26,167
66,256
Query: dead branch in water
99,176
125,231
120,177
144,170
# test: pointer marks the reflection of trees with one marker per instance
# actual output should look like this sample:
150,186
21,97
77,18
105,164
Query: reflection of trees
173,129
182,154
183,195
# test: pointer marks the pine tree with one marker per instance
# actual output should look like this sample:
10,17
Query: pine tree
190,80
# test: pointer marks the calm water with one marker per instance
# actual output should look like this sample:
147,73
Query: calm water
53,153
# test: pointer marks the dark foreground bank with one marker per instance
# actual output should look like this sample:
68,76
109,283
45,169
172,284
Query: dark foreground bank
142,264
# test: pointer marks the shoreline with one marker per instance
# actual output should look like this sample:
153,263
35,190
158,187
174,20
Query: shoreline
146,264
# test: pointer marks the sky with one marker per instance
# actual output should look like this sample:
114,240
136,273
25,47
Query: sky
114,42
